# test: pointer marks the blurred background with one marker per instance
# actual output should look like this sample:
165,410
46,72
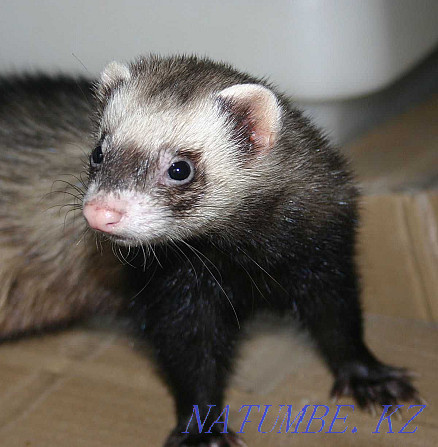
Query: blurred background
349,64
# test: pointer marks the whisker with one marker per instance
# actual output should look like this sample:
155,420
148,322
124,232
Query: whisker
207,259
71,185
217,282
155,256
262,269
115,248
174,245
87,229
98,243
246,271
144,256
123,257
74,206
67,213
80,180
74,55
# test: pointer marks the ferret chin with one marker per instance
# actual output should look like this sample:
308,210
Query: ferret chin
240,202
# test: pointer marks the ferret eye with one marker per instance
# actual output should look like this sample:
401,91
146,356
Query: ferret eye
96,156
181,171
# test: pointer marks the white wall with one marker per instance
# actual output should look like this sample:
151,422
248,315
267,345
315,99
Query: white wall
315,50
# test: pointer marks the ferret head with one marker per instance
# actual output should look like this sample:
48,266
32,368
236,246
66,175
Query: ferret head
182,147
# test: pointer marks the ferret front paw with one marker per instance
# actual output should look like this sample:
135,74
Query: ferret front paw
373,385
177,439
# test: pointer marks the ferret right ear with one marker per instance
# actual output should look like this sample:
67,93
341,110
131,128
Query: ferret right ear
256,112
113,74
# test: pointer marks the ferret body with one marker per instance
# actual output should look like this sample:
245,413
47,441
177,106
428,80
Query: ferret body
236,201
46,274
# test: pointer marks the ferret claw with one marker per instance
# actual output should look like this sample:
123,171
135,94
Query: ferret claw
379,385
372,409
235,441
398,414
216,440
420,399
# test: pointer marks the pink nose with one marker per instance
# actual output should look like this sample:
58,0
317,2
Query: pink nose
103,217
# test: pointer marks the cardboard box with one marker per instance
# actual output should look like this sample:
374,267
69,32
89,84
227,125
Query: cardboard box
398,255
89,387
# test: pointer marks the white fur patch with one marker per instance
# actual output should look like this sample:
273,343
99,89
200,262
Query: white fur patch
145,220
114,72
161,129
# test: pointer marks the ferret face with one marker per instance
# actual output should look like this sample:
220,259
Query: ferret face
163,169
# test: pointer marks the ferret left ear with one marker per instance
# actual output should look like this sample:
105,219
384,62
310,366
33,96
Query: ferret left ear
111,76
115,72
256,111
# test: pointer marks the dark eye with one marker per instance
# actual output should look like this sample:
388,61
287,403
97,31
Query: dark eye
96,156
181,171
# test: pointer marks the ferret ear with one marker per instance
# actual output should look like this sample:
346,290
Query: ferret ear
112,75
115,72
256,112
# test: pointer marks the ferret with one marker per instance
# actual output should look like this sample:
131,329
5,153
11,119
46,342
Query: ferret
231,200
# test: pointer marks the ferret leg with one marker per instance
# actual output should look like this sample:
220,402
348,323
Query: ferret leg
197,368
194,345
335,323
